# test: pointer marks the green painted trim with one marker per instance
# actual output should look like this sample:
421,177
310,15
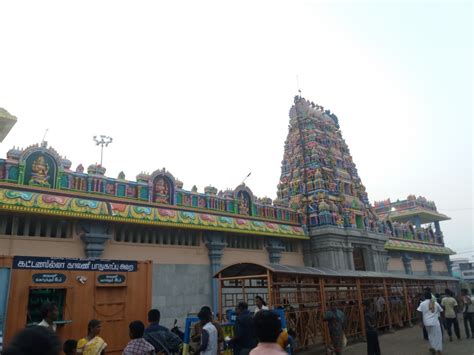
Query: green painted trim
81,215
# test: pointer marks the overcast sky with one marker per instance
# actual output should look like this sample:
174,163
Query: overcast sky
204,89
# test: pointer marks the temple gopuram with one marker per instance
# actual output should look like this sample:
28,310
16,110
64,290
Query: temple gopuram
111,248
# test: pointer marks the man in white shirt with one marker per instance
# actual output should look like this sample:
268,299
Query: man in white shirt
49,313
431,310
209,345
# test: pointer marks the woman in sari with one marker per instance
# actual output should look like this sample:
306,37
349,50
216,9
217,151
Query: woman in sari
92,344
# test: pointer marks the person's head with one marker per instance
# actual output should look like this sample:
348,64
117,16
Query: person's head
448,292
93,327
49,311
70,347
204,315
154,316
241,307
427,289
366,304
260,302
427,295
207,309
464,291
137,328
34,341
267,326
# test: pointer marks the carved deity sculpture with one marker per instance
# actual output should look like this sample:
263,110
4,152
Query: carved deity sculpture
161,191
243,205
39,172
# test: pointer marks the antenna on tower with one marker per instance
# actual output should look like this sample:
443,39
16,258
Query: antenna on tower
298,84
243,181
44,137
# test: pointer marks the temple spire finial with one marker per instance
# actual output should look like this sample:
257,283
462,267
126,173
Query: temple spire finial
298,84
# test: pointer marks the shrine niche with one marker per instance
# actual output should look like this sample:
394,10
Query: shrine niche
162,187
40,169
244,200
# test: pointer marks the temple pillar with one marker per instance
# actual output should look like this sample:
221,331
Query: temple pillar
274,248
449,265
94,235
215,243
349,256
429,264
417,222
406,258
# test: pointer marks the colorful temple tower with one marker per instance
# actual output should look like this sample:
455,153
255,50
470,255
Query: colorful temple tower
320,180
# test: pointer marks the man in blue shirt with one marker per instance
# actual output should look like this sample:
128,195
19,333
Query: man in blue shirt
160,337
154,316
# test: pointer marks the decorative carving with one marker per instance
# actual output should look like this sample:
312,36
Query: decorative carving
39,172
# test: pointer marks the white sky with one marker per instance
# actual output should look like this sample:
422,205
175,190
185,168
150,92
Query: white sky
204,89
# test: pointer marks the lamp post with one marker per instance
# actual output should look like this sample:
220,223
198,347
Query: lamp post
102,141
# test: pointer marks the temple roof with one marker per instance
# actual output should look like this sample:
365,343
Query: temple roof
406,210
17,200
413,246
260,270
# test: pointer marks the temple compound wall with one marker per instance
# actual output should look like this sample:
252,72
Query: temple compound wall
184,261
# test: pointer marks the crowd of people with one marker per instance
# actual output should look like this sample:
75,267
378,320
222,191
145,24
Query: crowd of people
438,313
254,333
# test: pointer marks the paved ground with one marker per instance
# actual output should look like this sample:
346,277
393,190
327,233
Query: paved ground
408,342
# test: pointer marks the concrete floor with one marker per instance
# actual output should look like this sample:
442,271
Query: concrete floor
407,341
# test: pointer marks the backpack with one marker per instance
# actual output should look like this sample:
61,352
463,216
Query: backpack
164,340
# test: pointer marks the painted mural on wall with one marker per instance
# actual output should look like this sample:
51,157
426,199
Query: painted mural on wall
40,170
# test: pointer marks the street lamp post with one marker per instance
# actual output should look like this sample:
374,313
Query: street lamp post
102,141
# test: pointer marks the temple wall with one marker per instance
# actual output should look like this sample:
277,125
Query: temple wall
233,255
40,246
440,267
293,259
180,289
418,266
159,254
396,265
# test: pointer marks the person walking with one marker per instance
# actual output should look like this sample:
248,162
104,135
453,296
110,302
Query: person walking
137,345
92,343
468,313
430,310
49,313
244,338
373,347
267,329
335,319
261,305
450,306
209,337
197,331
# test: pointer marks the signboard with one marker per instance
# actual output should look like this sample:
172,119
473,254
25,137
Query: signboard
111,279
46,263
49,278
